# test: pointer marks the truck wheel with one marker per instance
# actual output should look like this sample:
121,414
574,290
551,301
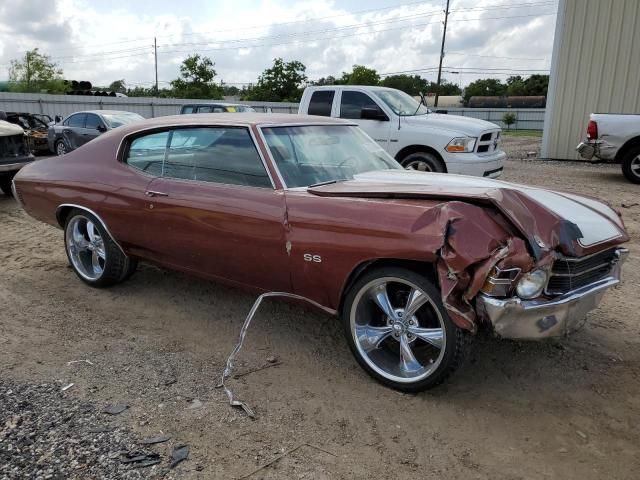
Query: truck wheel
398,330
92,253
61,148
631,165
5,186
424,162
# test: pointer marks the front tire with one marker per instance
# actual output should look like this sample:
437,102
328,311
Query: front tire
424,162
399,331
631,165
94,256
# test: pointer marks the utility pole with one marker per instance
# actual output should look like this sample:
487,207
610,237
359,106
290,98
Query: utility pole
155,55
444,34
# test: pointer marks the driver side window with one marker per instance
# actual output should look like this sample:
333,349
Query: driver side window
352,103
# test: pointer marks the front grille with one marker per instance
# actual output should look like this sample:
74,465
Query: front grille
488,142
570,273
13,146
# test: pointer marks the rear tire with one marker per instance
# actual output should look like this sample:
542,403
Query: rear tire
399,331
631,165
95,258
424,162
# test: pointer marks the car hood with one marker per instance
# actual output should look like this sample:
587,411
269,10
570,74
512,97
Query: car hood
573,224
457,123
7,129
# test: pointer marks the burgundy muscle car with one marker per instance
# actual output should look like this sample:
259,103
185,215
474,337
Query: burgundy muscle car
413,263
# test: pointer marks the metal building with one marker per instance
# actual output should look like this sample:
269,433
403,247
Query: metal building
595,69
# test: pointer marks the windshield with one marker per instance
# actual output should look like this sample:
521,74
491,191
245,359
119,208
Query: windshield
401,103
121,118
323,153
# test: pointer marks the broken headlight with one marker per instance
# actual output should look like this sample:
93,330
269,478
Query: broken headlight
532,284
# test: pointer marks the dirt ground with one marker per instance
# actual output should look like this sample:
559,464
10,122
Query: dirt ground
562,409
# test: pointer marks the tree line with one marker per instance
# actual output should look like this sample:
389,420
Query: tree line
282,82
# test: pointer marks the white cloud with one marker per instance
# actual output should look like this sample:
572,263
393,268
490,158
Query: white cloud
79,34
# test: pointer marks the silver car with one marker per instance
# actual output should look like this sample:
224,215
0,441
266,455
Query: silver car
81,127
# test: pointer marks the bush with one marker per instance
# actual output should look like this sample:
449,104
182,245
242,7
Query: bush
509,119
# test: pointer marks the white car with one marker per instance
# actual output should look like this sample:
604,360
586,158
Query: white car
614,138
410,132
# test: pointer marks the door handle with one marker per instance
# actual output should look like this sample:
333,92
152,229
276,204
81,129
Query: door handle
152,193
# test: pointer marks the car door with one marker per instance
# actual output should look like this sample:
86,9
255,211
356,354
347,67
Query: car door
72,129
94,127
215,211
352,103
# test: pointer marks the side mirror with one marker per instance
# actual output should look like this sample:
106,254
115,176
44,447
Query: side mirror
373,113
58,118
101,128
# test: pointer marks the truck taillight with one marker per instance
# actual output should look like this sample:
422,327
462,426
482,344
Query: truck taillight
592,130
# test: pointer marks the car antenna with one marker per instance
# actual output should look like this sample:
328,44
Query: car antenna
399,115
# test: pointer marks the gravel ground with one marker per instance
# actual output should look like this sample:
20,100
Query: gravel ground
561,409
49,434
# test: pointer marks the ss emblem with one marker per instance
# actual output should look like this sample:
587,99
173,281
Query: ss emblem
308,257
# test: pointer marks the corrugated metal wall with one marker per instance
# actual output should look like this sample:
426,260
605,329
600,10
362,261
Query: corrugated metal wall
147,107
595,68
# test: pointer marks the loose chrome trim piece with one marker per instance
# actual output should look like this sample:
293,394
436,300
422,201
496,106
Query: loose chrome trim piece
502,286
16,194
102,223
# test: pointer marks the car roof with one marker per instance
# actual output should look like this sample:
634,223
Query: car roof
250,118
342,87
213,104
100,112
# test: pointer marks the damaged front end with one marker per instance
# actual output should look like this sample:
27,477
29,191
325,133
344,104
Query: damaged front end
531,277
527,262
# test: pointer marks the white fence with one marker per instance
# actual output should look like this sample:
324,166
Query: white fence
526,118
146,106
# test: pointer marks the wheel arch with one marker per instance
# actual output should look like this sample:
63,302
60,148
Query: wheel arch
427,269
629,144
409,149
63,211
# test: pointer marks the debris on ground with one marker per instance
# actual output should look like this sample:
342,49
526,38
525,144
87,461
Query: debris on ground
153,440
179,454
139,459
116,409
47,434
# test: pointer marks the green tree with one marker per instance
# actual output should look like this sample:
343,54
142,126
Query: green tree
35,72
283,82
411,84
118,86
484,87
509,119
537,85
360,75
329,80
230,90
196,79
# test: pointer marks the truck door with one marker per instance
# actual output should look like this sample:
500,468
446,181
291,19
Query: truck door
369,116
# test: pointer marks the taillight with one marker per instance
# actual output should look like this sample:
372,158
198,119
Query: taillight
592,130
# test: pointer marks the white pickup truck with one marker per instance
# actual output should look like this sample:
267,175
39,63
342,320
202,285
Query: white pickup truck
410,132
615,138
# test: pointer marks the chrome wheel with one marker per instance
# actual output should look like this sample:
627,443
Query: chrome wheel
61,149
397,329
419,165
635,166
85,247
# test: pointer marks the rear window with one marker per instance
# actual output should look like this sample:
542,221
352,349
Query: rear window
321,102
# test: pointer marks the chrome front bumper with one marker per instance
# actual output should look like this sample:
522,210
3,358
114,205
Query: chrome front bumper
539,318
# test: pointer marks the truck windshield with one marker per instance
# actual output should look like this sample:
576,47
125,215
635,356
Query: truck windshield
312,154
401,103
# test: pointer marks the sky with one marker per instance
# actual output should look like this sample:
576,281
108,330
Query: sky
110,40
